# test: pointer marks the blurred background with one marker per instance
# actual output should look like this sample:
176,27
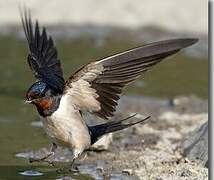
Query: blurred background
88,30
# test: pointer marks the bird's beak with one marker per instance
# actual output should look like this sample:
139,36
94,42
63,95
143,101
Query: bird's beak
27,102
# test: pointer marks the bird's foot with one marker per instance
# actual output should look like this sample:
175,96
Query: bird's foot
43,159
50,162
69,168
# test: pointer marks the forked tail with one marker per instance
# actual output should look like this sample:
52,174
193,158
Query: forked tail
99,130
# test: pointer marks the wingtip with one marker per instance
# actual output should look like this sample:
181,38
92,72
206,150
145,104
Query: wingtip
191,41
188,42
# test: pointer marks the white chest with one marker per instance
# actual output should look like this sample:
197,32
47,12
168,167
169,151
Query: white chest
66,126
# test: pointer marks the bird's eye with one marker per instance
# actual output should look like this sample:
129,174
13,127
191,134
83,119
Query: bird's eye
32,95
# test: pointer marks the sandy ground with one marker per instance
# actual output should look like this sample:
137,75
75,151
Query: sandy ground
150,151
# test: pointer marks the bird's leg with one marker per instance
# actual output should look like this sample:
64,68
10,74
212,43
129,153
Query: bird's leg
72,165
76,154
50,153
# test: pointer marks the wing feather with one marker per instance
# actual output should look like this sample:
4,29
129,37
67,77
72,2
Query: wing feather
42,59
97,86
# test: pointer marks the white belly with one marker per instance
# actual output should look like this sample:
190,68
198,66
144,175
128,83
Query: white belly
66,126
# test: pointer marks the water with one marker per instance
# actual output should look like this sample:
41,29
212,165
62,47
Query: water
176,76
37,172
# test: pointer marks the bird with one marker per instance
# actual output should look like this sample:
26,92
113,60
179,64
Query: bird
95,87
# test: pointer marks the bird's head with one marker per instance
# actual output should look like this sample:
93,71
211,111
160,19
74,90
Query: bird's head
43,98
37,91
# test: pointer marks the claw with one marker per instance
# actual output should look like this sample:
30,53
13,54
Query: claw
44,159
66,169
51,163
69,168
31,160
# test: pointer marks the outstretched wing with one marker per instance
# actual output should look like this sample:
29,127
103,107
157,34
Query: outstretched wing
42,57
97,86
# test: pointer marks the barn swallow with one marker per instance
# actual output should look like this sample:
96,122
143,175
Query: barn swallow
95,87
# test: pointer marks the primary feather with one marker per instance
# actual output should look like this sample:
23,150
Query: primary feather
97,86
42,59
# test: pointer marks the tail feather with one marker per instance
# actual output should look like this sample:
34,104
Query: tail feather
99,130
